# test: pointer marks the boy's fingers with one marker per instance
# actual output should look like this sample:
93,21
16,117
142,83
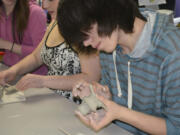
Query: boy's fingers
101,98
94,124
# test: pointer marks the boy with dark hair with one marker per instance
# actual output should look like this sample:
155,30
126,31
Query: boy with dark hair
140,61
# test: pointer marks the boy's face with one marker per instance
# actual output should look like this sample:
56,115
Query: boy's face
105,43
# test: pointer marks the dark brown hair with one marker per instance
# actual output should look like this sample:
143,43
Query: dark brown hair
20,18
75,17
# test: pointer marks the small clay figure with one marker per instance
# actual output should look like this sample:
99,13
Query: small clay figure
90,103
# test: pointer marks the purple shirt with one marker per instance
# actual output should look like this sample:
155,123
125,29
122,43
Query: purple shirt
32,35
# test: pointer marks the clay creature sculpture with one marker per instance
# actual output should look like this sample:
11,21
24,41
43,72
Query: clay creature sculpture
90,103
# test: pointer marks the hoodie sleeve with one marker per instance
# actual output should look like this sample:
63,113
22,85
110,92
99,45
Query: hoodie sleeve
171,93
36,27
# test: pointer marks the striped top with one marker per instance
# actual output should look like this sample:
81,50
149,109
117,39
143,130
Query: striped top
155,76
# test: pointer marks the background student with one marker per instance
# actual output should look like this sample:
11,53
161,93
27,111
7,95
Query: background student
22,26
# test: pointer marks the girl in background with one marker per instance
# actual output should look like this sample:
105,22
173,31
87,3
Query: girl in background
22,26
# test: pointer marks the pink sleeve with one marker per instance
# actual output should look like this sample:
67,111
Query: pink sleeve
36,28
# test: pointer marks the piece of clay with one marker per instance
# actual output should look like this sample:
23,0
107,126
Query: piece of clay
84,108
11,89
90,103
12,98
10,94
8,89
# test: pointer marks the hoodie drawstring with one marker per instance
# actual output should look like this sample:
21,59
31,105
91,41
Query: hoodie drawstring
117,79
130,92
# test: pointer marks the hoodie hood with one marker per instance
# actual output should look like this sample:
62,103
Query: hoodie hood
151,34
147,42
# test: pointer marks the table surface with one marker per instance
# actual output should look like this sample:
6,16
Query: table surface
44,113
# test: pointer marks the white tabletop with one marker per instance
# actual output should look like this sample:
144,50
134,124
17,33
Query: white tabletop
43,113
